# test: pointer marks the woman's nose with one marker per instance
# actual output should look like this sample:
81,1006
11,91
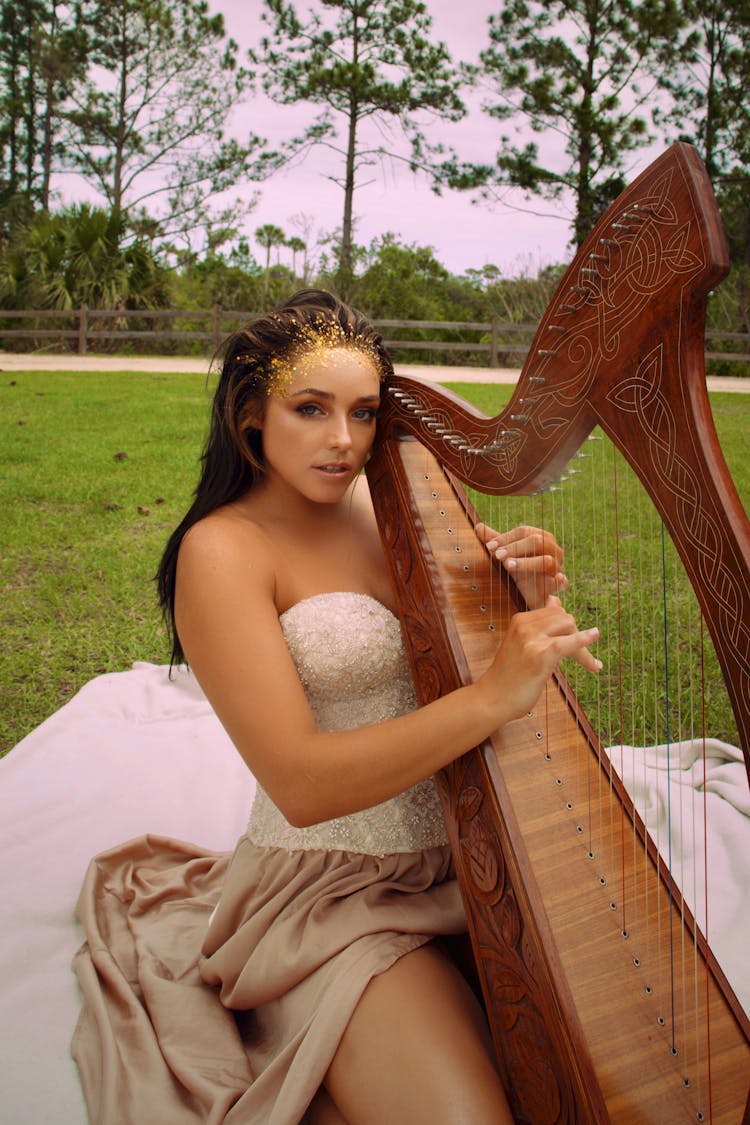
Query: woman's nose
339,434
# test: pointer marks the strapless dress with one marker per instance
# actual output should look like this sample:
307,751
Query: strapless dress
239,1023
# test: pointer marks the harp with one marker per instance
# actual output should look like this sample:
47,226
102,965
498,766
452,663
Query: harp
595,1016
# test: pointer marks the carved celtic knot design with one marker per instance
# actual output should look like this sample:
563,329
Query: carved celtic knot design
603,308
642,397
588,327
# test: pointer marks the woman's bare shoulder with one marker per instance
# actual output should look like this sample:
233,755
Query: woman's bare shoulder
229,541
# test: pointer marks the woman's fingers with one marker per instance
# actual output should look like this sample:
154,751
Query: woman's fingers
536,641
520,542
555,634
572,641
532,556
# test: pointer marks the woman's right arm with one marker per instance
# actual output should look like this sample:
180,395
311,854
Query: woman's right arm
228,625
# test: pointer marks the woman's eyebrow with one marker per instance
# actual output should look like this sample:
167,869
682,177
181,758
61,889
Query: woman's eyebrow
311,391
327,394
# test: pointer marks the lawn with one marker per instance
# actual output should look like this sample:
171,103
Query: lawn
96,469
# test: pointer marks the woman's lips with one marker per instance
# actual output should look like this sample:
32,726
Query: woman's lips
333,469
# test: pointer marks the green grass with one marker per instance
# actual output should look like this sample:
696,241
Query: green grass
77,557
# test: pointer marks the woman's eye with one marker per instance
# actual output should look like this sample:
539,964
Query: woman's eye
366,414
308,409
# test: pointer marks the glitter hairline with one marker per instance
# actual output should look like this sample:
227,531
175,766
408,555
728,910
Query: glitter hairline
312,341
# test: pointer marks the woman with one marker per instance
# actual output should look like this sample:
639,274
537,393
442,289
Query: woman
277,591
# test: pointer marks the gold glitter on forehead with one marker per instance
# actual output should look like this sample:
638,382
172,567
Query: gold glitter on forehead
313,348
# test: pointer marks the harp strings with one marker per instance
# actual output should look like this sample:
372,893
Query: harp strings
625,575
674,980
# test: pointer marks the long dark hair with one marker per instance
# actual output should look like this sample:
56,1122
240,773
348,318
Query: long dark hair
232,460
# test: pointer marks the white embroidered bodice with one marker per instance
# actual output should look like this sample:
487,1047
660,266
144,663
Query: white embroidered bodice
350,656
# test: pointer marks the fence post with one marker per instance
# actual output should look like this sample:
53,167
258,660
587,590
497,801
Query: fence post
494,339
216,311
82,329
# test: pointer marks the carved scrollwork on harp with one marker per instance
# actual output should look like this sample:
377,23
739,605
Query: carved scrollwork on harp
619,348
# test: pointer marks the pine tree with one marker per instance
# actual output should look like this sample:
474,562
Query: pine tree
363,61
708,82
149,129
42,51
573,70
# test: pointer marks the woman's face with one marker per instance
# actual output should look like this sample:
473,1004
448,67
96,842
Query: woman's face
320,423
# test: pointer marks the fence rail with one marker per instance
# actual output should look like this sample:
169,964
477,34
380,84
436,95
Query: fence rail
503,343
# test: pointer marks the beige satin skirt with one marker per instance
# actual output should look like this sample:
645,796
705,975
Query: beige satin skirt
237,1021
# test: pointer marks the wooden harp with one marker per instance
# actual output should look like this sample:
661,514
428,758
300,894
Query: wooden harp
581,1029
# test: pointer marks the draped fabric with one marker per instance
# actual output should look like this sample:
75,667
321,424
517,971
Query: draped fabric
294,942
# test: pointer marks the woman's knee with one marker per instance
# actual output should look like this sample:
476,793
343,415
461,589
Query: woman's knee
417,1050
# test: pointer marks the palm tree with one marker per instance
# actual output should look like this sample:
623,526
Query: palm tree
77,257
297,246
269,235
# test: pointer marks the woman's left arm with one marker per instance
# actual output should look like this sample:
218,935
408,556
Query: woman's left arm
532,556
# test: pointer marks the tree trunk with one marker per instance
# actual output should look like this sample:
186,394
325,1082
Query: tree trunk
30,111
266,272
709,138
117,188
47,146
14,100
584,201
49,107
345,261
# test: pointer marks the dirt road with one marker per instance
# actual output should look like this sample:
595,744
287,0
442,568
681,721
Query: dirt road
10,361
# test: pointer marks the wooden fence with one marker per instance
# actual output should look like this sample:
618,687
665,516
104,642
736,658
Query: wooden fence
504,344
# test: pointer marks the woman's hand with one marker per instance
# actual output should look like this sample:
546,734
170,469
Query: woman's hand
535,643
532,556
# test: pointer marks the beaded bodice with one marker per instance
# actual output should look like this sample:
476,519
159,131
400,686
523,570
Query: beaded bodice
350,656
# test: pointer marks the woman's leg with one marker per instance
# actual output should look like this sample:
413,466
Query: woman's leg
323,1111
417,1050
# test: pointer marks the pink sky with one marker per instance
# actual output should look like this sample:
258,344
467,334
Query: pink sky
462,234
518,235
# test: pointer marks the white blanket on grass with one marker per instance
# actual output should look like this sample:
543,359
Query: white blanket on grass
688,793
133,753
